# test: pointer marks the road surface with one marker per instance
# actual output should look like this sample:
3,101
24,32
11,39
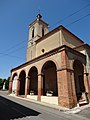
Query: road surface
12,108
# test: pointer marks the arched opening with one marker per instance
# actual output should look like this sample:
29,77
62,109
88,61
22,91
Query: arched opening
33,33
42,32
33,74
79,79
22,78
49,78
14,85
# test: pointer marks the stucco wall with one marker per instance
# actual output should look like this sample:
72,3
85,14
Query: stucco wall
69,40
56,58
31,53
73,57
88,63
49,43
86,51
37,26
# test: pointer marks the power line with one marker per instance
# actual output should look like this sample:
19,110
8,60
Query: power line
78,20
71,14
53,24
50,27
14,46
17,49
5,54
74,21
8,54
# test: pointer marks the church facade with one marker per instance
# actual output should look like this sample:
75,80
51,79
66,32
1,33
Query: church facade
57,67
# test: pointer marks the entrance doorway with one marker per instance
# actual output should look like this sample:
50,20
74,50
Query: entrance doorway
49,78
33,83
22,78
79,79
14,85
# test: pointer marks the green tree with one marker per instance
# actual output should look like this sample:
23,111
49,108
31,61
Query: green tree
7,83
1,83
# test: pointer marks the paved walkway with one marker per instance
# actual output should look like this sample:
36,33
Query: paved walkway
47,111
66,110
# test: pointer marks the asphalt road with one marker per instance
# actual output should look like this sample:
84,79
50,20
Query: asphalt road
85,113
12,108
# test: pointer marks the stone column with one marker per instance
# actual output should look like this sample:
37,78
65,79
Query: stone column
86,83
40,89
10,86
18,87
64,59
59,86
66,89
73,88
65,83
27,85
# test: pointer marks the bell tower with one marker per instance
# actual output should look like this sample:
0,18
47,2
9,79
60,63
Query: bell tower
37,29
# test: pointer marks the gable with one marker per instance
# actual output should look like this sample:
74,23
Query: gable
70,40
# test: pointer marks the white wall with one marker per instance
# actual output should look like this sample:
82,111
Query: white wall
14,86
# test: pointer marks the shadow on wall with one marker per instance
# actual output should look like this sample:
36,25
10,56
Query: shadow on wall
10,110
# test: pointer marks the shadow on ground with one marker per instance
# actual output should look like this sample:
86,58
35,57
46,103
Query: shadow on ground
10,110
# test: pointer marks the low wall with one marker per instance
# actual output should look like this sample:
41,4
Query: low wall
50,100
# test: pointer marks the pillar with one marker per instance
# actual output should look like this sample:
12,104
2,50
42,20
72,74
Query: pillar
66,89
40,89
66,86
73,88
27,85
86,83
18,87
10,86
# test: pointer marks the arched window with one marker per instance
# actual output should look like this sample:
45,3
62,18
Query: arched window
32,33
42,32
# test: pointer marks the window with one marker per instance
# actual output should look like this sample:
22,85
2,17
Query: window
42,32
43,50
32,33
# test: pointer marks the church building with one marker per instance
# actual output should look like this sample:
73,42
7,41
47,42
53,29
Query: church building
57,67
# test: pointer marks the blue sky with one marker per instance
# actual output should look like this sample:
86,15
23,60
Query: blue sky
16,15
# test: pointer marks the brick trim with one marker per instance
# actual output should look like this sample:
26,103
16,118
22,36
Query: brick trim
48,54
28,77
86,74
68,69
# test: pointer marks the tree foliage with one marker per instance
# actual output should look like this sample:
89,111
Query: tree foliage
6,83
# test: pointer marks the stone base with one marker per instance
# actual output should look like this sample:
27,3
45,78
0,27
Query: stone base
50,100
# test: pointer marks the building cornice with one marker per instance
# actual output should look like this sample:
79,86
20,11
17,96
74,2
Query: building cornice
85,45
50,53
35,21
56,30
